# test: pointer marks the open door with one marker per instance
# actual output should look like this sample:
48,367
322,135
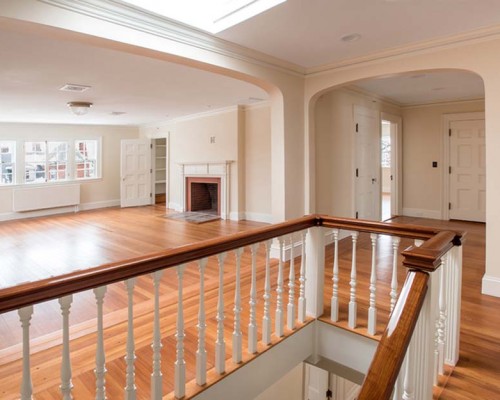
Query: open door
316,380
136,172
367,163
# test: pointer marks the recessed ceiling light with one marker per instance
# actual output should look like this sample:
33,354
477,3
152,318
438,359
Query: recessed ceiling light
117,112
438,88
417,76
352,37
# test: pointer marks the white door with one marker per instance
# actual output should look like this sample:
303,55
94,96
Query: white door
467,170
316,383
135,172
367,163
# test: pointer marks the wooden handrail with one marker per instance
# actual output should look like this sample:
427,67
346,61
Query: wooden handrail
384,369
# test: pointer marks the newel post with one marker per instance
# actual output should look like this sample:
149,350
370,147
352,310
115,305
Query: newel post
315,271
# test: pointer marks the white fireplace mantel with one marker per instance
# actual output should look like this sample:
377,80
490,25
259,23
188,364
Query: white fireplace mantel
212,169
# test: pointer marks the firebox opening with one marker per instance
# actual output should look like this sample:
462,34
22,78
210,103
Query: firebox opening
203,196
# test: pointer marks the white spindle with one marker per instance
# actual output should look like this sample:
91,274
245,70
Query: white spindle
302,281
372,311
279,322
25,315
394,281
353,306
100,358
220,344
180,364
130,389
334,305
237,344
442,314
156,375
409,384
266,319
66,384
291,288
201,352
252,324
453,282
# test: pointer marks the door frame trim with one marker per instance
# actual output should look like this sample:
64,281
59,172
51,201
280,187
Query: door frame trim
396,162
447,119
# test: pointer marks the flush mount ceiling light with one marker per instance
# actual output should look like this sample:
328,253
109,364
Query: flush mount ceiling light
79,107
352,37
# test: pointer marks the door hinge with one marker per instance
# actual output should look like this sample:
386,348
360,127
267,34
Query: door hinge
357,127
391,178
449,206
449,132
150,145
150,194
151,170
449,169
357,173
357,215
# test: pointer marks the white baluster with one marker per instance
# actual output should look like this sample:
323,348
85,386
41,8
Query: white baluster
220,345
453,282
25,315
130,389
266,319
237,344
409,384
100,358
279,322
442,315
201,352
353,306
291,288
180,364
66,384
252,324
156,375
334,305
394,281
372,311
302,281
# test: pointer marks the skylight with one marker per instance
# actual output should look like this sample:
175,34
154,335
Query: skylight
210,15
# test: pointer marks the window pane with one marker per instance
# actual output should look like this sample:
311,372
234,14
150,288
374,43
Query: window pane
7,162
35,160
57,156
86,159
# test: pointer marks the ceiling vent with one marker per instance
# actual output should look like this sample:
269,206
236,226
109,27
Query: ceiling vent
70,87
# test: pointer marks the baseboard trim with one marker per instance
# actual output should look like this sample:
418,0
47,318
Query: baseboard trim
259,217
491,286
236,216
422,213
99,204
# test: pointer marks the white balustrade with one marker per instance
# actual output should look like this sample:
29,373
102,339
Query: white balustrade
25,315
220,344
442,315
156,375
302,281
372,310
180,364
409,384
394,281
334,304
237,336
291,288
252,324
66,384
266,319
453,284
130,389
279,320
201,352
353,306
100,357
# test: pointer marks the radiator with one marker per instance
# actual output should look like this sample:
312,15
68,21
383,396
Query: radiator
41,197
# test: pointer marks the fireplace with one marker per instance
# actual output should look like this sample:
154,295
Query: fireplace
203,194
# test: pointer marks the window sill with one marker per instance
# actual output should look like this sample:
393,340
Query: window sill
47,184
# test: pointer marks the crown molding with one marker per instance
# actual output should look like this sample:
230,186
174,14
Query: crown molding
474,36
141,20
359,91
442,103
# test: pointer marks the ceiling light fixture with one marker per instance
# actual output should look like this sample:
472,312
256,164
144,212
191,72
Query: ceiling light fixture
352,37
79,107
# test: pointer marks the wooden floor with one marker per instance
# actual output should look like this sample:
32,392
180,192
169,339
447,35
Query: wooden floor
47,246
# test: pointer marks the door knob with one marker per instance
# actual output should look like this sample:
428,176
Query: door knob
374,180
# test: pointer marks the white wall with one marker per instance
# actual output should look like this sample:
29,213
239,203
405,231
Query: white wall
423,144
97,193
289,387
334,149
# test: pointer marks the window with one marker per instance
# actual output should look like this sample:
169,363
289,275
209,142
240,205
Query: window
86,159
45,161
7,162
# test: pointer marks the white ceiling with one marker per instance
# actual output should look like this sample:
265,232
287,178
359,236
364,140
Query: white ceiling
308,32
33,68
304,32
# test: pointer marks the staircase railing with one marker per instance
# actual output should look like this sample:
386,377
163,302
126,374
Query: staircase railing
294,302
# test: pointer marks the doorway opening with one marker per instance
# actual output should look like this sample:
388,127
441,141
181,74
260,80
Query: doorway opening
385,165
389,166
